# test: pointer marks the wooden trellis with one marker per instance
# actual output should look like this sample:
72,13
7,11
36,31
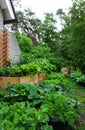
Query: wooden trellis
3,48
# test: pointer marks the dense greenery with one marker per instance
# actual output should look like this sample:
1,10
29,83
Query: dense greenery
68,44
27,69
44,49
32,106
73,34
78,77
33,59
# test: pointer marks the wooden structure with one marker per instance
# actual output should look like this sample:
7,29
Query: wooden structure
35,79
3,48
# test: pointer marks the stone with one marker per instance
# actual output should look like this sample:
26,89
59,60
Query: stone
65,71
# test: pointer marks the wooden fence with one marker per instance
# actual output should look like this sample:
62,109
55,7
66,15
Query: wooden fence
3,48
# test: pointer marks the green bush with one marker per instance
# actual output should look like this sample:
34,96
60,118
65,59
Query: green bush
78,76
61,107
61,62
21,70
81,79
55,78
38,52
39,65
25,43
75,74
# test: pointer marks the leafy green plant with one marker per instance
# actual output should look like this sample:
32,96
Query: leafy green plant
46,65
24,92
61,62
61,107
55,78
40,54
78,77
28,69
19,70
37,102
27,92
81,79
20,116
25,42
75,74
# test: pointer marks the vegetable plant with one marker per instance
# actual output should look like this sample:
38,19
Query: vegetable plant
33,106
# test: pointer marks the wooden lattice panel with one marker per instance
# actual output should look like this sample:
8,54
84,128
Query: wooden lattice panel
3,48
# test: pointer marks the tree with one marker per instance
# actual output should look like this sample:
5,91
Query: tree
32,27
49,31
74,34
60,13
28,23
78,33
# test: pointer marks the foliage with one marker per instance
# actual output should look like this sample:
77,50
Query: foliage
66,84
41,65
73,34
5,29
75,74
40,56
49,31
25,43
78,77
38,52
55,78
28,23
32,106
67,45
35,59
62,106
20,93
61,62
21,70
81,79
20,116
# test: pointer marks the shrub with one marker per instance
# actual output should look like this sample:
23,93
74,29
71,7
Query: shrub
75,74
55,78
25,43
78,77
61,107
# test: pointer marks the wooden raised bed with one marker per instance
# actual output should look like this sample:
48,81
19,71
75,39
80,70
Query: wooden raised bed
35,79
41,77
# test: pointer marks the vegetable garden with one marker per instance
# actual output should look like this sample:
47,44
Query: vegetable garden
57,101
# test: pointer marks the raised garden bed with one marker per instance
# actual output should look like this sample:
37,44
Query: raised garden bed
34,79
